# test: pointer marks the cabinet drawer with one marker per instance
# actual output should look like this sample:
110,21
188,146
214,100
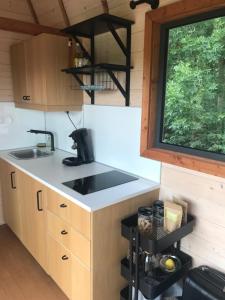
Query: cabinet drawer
59,205
81,281
81,247
59,230
77,217
59,265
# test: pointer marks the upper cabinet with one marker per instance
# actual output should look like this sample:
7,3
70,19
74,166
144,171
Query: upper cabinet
37,78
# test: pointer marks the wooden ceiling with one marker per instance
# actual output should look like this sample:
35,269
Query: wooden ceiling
56,14
50,13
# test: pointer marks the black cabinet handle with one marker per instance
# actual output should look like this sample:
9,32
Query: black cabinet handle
63,205
64,257
12,180
63,232
26,98
38,201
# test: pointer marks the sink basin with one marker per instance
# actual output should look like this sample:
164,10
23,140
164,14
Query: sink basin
29,153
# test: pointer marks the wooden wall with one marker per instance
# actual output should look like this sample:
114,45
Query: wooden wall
206,196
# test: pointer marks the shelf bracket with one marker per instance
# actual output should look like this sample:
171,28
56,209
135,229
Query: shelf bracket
83,49
117,83
81,83
117,38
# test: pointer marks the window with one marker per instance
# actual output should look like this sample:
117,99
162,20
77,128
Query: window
191,94
183,109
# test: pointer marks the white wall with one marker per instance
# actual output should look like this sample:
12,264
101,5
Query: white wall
14,124
116,139
59,124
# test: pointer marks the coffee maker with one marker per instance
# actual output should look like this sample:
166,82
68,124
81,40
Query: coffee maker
83,144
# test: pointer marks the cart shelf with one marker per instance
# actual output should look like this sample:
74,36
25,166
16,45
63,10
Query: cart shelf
159,240
152,286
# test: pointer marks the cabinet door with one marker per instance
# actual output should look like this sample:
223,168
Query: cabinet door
81,281
61,89
32,195
59,265
11,202
18,62
34,71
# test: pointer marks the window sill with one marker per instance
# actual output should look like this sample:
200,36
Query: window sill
208,166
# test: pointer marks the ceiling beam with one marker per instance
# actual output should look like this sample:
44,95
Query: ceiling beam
105,6
33,12
26,27
64,13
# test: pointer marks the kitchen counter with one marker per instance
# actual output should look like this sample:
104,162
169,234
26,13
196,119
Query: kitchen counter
51,172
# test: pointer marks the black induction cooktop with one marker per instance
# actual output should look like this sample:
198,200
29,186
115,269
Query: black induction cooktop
95,183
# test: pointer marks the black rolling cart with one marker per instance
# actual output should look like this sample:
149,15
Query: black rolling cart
151,286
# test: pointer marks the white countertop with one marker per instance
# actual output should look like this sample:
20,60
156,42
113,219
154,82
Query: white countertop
51,172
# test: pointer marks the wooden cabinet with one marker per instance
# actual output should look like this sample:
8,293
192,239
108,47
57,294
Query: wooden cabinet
34,228
80,250
11,201
37,78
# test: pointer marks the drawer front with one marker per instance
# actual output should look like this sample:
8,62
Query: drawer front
59,205
77,217
81,281
81,247
59,265
59,229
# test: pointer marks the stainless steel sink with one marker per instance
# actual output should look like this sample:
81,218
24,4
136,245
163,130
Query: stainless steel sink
29,153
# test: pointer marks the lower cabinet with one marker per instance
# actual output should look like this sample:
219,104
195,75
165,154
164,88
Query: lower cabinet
11,201
33,215
80,250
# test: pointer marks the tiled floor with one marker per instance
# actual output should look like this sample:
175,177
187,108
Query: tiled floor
21,277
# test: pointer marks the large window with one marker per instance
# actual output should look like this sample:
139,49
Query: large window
183,111
192,86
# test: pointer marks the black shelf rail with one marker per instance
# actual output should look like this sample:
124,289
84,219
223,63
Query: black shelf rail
91,28
159,242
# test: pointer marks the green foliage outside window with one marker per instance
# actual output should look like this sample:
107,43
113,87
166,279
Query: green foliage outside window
194,113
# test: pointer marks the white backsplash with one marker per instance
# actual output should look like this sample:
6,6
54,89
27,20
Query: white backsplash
60,125
14,124
116,139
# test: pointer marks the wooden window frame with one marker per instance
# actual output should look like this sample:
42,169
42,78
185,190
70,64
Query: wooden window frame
153,21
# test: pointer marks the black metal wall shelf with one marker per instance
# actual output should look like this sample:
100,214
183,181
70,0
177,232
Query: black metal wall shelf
91,28
97,25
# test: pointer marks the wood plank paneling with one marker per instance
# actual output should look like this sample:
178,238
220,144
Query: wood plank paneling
206,196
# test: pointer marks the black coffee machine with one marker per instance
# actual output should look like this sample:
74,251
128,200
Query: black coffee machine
83,144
